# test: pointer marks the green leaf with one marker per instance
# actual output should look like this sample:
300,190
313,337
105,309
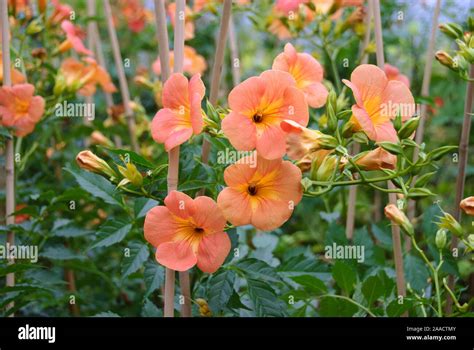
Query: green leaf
416,272
71,231
264,300
234,302
96,185
17,267
150,310
372,289
60,252
134,158
394,309
221,287
138,254
111,232
301,264
154,276
383,236
311,283
344,276
258,269
143,206
333,307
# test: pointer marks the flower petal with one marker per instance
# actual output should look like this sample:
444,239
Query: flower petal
240,131
178,256
175,92
316,95
235,206
272,142
212,252
159,226
208,215
180,204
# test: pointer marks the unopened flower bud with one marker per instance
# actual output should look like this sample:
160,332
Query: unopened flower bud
322,169
440,239
90,162
376,159
398,217
452,30
467,205
97,138
444,58
408,128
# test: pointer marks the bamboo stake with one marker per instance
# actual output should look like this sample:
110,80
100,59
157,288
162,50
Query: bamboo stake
121,75
9,153
173,156
351,205
109,100
397,246
184,282
234,52
425,91
90,46
217,68
461,179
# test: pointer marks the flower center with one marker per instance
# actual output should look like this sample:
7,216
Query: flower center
258,117
252,189
198,230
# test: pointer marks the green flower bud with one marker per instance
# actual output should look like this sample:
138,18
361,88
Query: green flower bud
408,128
452,30
440,239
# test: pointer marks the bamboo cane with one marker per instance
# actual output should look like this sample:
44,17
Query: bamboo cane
397,246
461,179
109,100
180,19
9,153
425,91
217,68
121,75
234,52
351,205
173,156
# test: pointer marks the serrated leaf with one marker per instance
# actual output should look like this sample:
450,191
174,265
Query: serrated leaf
310,283
60,253
394,309
143,206
154,276
301,264
264,300
138,255
258,269
221,287
332,307
234,302
96,185
372,289
416,272
150,310
111,232
71,231
344,276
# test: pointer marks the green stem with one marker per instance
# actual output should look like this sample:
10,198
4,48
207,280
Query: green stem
435,273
